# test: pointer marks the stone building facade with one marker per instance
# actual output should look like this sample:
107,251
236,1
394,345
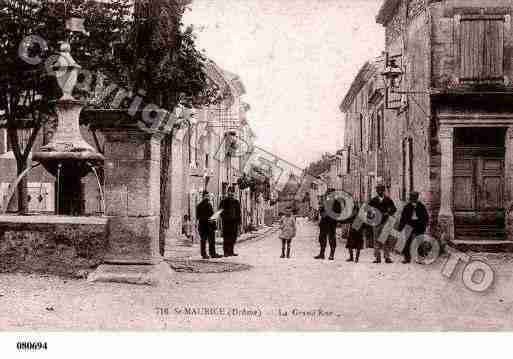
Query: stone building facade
199,154
367,141
447,119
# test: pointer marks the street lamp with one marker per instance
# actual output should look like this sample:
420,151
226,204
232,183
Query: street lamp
392,75
392,72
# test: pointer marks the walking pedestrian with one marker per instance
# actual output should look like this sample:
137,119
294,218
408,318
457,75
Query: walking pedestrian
206,227
354,238
328,228
231,217
416,216
288,231
387,208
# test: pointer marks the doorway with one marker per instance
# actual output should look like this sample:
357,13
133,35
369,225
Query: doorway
479,183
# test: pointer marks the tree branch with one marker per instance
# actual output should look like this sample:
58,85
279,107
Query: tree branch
97,142
30,142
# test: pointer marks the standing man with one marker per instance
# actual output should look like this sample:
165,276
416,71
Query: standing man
328,228
206,227
416,216
231,216
387,208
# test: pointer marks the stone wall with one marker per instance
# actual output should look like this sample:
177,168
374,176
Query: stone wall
66,246
412,121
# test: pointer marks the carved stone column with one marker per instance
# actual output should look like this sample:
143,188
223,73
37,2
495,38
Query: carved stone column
446,216
508,182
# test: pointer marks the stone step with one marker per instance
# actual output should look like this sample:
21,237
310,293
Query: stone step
482,235
479,231
493,246
479,226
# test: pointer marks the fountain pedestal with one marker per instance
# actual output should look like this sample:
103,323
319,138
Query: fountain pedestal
132,196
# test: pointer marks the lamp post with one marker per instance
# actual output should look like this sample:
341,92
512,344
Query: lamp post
392,75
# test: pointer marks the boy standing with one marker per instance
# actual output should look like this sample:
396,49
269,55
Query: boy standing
387,208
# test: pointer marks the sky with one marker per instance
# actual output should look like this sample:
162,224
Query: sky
296,59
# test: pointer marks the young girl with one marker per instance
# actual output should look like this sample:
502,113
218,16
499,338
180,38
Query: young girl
355,238
288,231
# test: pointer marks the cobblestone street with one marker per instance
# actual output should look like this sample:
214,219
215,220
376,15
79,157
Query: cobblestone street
315,295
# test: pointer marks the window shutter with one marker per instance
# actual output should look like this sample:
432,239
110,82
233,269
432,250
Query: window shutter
494,48
360,117
371,134
482,48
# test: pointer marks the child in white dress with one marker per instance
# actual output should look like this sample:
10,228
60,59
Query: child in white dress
288,231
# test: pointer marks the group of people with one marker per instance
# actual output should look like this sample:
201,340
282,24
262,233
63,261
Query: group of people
414,214
230,215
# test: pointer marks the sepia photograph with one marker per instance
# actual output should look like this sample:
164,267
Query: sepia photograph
255,166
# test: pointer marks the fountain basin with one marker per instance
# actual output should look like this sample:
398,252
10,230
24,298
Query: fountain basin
76,163
59,245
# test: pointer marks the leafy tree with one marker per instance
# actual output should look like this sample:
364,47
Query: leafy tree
146,48
27,88
317,167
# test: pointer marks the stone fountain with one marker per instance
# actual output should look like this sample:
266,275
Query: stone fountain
123,244
68,156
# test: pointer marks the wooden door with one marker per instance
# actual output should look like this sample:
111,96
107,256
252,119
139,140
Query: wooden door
490,183
464,184
479,187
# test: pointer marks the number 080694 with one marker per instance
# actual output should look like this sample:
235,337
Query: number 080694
31,346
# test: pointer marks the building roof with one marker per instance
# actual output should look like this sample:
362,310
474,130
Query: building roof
235,82
230,84
386,11
366,72
341,151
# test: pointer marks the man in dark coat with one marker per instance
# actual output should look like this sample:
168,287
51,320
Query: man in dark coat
206,227
387,208
416,216
231,217
328,228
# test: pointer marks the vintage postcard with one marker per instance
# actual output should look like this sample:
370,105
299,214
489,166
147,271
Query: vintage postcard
256,165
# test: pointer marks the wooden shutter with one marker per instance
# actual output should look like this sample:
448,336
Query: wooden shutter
371,133
349,160
482,48
360,116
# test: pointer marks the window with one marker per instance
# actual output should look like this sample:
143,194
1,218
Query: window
361,131
379,128
349,160
481,47
371,132
403,167
407,166
410,164
3,141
